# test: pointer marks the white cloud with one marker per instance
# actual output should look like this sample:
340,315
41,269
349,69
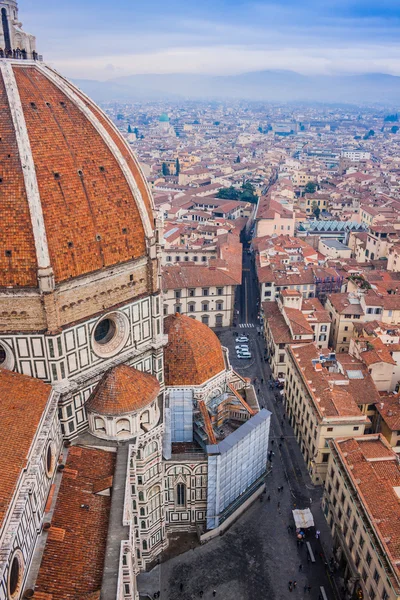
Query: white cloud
234,59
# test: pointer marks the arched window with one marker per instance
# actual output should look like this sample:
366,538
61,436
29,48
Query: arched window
123,426
154,497
145,417
142,524
142,512
134,504
99,424
181,494
144,545
150,448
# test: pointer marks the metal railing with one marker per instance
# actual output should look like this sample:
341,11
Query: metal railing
20,55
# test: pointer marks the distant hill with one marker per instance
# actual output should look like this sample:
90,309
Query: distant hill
281,86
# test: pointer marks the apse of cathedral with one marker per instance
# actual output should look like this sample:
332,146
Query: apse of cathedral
118,429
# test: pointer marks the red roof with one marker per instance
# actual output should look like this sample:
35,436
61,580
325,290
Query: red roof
73,560
22,403
91,217
122,390
193,353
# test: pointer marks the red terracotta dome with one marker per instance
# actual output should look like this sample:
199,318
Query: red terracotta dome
73,197
193,353
123,390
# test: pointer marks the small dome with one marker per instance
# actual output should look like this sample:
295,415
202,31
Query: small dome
164,118
123,390
193,353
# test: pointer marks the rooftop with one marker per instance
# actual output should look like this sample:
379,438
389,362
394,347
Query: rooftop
122,390
20,417
73,560
374,470
193,354
326,383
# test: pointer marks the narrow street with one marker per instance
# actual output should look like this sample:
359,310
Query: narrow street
258,555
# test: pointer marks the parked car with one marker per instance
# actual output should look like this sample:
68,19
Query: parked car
244,355
242,351
242,347
242,338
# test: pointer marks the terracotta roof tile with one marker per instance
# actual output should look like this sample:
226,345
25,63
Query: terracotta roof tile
72,566
22,402
91,217
193,353
375,472
123,390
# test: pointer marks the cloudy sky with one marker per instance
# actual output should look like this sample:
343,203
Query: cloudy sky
99,39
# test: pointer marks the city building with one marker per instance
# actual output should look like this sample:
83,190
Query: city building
361,505
291,320
322,402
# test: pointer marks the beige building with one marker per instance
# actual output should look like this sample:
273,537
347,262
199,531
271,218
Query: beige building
361,505
377,358
387,420
347,309
301,178
273,218
333,249
206,294
379,240
321,404
291,320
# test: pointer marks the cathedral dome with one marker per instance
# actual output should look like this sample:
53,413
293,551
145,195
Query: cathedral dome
193,353
73,198
123,390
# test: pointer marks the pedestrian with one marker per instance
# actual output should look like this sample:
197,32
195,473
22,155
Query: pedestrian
308,557
305,588
201,593
279,504
272,442
282,422
309,589
284,416
214,593
262,380
282,438
317,534
181,586
269,498
300,567
280,444
294,584
290,586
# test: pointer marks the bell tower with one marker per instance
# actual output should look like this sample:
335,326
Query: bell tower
14,42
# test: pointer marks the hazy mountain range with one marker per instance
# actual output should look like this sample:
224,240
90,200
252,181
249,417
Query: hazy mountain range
281,86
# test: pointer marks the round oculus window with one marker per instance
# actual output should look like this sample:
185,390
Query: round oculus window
110,334
6,357
104,332
15,575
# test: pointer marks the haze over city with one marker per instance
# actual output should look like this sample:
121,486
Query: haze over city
217,37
